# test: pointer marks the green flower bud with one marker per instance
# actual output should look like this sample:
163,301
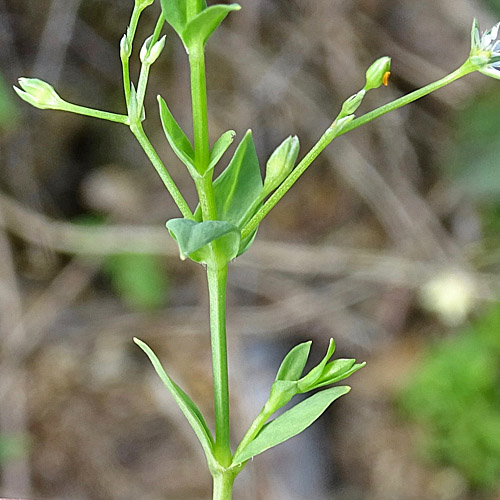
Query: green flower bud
125,47
378,73
150,55
352,103
281,163
38,93
142,4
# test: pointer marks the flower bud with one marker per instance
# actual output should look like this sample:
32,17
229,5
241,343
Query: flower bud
150,55
142,4
352,103
38,93
378,73
125,48
281,163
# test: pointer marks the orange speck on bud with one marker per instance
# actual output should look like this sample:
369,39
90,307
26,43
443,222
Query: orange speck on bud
385,79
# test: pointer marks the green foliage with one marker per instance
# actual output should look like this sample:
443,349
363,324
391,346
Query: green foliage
186,404
220,147
291,423
194,237
454,395
139,280
13,446
177,139
8,112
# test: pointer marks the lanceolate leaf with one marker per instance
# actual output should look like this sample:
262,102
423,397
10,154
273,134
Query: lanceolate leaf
240,184
220,147
177,138
187,406
199,29
307,382
193,238
291,423
175,12
292,366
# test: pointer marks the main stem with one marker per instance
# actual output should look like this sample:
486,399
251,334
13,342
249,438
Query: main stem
223,487
217,278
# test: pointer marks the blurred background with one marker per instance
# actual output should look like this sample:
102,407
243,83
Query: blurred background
390,244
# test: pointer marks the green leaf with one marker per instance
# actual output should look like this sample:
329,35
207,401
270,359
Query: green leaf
138,279
292,366
338,375
175,12
193,238
186,404
291,423
307,382
237,188
177,138
199,29
220,147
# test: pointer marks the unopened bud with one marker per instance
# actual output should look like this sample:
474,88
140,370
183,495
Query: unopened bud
281,163
352,103
142,4
149,55
38,93
125,47
378,73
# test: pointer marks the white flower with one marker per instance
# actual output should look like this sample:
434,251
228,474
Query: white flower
485,50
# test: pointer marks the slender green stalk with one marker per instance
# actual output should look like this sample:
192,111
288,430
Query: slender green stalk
328,137
217,278
223,486
95,113
132,28
254,429
465,69
148,148
200,129
145,68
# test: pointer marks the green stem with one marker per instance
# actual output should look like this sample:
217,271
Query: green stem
223,486
132,28
148,148
465,69
200,129
95,113
255,428
217,278
328,137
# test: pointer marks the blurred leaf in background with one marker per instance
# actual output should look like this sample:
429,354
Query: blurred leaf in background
140,280
8,111
13,446
454,397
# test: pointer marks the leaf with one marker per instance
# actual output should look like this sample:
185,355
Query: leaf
177,138
198,30
240,184
307,382
292,366
193,238
186,404
138,279
341,375
220,147
175,12
291,423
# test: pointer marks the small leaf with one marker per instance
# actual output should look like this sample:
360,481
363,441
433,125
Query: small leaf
220,147
306,383
186,404
292,366
177,138
175,12
199,29
340,376
291,423
193,238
